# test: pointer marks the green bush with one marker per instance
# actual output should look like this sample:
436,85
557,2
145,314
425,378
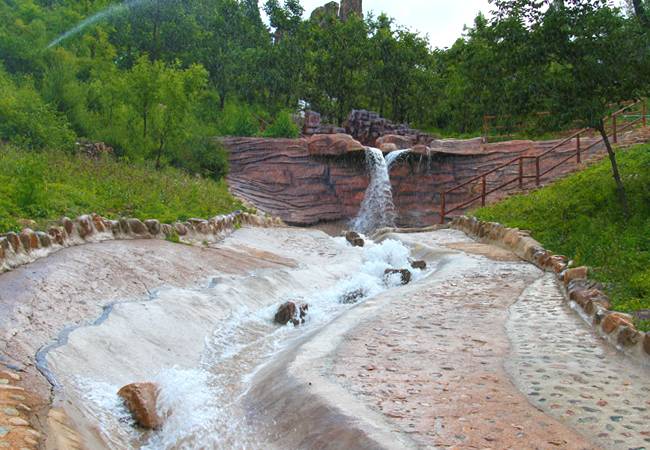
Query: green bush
26,120
580,217
238,120
283,127
204,157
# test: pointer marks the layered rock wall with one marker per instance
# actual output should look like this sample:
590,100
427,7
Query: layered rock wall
324,178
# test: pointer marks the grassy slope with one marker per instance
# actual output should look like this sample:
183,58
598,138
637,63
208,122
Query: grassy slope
46,186
581,218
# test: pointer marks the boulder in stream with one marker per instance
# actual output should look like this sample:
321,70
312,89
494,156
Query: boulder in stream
405,275
354,238
290,312
421,265
140,399
352,296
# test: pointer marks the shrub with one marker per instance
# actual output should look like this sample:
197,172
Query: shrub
26,120
238,120
283,127
204,157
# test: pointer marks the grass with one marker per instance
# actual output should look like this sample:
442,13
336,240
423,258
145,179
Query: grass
580,217
46,186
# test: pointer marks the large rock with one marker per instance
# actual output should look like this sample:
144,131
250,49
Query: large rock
140,399
334,145
84,226
575,274
14,240
646,343
290,312
29,239
350,7
420,265
352,296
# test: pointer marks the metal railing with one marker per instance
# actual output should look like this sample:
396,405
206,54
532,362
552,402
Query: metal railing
519,162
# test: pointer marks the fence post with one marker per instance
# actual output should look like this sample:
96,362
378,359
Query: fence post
483,190
615,135
486,129
521,172
442,208
537,171
578,148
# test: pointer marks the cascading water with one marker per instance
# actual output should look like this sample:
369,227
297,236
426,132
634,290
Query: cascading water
377,209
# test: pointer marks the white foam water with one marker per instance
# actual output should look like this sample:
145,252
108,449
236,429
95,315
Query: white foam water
377,209
393,157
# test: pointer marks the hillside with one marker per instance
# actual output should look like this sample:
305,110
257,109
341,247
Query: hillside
46,186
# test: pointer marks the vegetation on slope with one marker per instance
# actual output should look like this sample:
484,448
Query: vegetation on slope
581,218
48,185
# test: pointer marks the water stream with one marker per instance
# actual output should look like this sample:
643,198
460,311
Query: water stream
204,402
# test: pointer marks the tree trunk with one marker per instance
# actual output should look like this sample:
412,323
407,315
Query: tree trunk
159,155
622,196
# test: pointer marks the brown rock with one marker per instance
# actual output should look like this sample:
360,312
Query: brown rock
289,312
98,221
354,238
613,320
388,147
167,229
400,142
14,240
404,273
153,226
4,244
67,224
350,7
124,226
419,265
57,234
575,274
421,149
29,239
140,399
628,337
333,145
84,226
44,239
646,343
180,229
137,227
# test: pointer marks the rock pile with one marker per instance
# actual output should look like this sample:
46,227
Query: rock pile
367,127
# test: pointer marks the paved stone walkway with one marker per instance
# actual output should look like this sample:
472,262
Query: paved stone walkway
565,370
457,361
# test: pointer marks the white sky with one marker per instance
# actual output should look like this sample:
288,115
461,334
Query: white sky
442,20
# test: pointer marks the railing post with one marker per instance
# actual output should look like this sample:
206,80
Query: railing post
615,135
442,208
578,148
521,173
537,171
483,190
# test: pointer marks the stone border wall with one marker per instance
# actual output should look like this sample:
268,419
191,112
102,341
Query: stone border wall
584,295
17,249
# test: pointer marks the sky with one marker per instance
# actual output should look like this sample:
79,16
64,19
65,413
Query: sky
442,20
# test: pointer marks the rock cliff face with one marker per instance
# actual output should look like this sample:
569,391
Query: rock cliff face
324,178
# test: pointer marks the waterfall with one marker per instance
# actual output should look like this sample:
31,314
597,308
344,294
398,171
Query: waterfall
377,209
392,157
